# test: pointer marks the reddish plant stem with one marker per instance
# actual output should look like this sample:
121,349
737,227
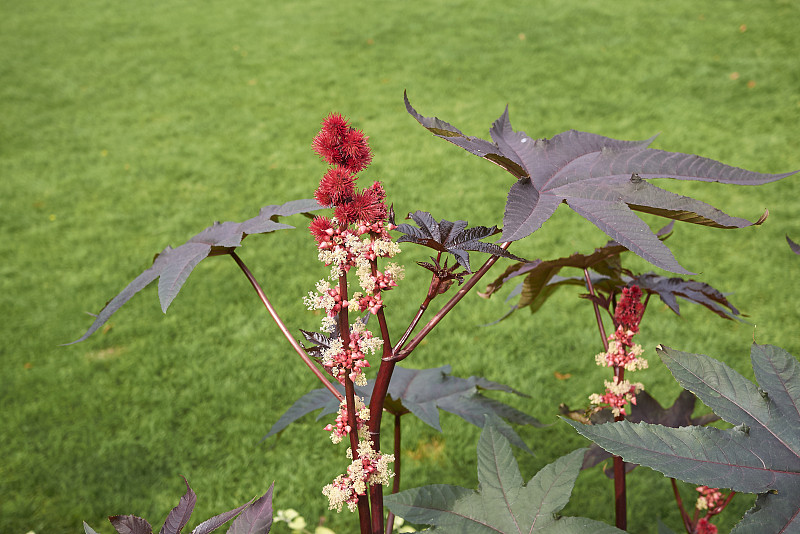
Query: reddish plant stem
363,500
620,487
422,308
597,315
687,523
376,403
349,390
386,369
285,331
462,292
396,481
379,391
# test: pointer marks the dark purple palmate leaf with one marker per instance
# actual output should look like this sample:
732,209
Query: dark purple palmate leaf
173,265
792,245
452,237
542,280
761,454
130,524
604,260
423,392
256,519
698,292
602,179
212,524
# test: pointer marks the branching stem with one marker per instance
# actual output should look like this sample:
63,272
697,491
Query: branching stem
462,292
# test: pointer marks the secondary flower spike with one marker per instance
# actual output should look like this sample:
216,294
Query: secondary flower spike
623,354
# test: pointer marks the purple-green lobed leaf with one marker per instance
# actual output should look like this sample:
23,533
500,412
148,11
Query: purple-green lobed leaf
424,392
602,179
541,280
130,524
503,503
179,517
210,525
761,454
174,265
649,410
669,288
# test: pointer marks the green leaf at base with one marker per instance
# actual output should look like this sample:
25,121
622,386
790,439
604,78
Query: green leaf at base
503,503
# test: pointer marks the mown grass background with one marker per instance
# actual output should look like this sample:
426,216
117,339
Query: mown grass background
129,126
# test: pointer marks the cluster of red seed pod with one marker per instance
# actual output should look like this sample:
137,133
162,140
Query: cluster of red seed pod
347,149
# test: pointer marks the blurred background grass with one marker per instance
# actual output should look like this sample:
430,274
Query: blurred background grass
130,126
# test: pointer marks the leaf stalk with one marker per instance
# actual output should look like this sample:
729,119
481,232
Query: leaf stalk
282,326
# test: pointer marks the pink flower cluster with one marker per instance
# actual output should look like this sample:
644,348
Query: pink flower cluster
704,526
618,394
714,502
710,499
342,427
623,354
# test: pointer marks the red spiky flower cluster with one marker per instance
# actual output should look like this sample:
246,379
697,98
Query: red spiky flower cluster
339,144
628,313
346,148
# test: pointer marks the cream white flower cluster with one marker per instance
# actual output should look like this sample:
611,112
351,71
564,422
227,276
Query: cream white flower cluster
618,394
342,427
622,354
343,249
370,468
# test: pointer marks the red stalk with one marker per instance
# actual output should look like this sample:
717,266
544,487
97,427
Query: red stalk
403,353
349,390
620,488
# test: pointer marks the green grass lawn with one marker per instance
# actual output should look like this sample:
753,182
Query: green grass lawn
130,126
